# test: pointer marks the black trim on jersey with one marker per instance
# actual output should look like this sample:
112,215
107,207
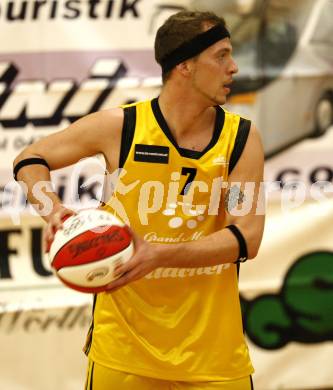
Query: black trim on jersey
127,133
188,153
92,377
88,377
252,388
91,329
240,142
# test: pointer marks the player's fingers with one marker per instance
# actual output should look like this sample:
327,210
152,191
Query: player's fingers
66,213
136,239
57,220
46,232
55,223
134,260
59,217
123,280
47,237
120,282
125,267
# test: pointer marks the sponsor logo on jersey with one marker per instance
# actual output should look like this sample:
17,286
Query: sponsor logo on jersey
220,160
151,153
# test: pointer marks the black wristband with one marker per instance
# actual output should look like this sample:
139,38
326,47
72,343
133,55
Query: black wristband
243,255
29,161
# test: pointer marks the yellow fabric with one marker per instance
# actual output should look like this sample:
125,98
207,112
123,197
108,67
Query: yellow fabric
103,378
174,324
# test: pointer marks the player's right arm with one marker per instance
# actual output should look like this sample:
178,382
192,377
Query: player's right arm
93,134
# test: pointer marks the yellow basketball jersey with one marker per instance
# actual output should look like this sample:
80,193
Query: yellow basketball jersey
175,323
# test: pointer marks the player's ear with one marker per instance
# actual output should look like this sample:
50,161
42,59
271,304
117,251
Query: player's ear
185,68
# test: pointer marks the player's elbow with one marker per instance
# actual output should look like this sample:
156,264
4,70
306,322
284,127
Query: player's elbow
252,250
253,244
18,158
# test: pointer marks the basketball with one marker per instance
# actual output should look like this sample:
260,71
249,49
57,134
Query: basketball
85,252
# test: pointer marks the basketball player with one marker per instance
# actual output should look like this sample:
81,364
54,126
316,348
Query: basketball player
172,320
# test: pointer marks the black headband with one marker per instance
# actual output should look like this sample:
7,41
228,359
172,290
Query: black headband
193,47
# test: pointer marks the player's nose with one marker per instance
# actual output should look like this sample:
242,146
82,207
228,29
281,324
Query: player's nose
233,66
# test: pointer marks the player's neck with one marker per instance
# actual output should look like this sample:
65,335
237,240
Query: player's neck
185,114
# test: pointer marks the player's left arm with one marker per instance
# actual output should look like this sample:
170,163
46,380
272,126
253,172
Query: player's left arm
245,207
244,200
244,203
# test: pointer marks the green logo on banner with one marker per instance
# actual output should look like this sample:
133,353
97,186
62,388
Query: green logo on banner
303,309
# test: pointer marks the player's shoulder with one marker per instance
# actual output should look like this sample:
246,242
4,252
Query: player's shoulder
236,115
112,119
244,123
139,103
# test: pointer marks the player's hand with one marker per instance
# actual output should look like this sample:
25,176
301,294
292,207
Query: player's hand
55,222
144,260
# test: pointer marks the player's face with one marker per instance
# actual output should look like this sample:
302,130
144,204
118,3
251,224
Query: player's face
213,70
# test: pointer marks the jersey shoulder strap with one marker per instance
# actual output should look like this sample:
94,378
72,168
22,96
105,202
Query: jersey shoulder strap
240,142
127,134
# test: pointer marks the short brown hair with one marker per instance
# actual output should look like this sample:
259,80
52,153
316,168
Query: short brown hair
179,28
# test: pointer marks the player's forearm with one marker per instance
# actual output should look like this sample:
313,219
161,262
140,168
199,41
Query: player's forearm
217,248
35,181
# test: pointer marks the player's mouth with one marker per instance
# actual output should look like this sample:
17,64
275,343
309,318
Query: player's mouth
227,87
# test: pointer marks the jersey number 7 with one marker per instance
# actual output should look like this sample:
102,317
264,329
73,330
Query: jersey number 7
191,172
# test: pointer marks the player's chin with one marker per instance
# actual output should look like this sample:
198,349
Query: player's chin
220,100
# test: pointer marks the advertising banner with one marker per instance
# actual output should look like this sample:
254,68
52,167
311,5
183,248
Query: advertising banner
42,347
63,59
286,295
